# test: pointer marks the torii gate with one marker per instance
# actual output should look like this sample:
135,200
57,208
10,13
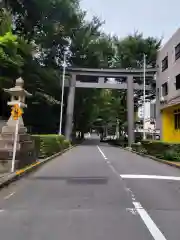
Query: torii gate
97,78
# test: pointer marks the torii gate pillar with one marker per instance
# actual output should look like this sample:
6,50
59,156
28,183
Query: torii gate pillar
130,109
70,107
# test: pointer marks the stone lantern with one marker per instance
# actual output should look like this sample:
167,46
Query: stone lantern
25,154
18,96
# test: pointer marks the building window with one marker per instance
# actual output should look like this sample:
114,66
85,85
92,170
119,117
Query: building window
164,63
178,82
177,51
165,89
177,119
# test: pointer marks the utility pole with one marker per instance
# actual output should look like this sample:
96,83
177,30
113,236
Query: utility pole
66,51
144,96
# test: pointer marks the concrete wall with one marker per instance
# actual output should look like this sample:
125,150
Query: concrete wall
169,133
169,76
2,123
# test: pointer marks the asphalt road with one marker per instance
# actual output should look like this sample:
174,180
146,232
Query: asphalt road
94,192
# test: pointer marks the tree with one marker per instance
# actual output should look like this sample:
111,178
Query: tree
35,47
12,49
131,49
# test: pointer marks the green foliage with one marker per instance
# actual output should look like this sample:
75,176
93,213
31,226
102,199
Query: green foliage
5,22
9,56
163,150
171,155
35,49
122,142
130,51
13,51
138,148
47,145
155,148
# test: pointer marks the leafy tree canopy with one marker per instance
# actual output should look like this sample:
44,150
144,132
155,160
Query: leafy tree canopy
33,37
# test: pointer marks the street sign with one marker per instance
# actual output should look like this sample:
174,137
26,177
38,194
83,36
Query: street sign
16,112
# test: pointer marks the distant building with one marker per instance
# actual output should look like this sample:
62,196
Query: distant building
141,111
150,115
150,110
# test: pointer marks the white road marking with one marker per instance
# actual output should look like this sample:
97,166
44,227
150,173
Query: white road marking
1,210
102,153
10,195
132,210
108,162
113,169
151,226
150,177
153,229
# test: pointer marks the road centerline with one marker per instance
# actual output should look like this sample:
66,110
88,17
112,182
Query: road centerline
153,229
104,156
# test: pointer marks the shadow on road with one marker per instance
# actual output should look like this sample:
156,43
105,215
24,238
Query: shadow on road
74,180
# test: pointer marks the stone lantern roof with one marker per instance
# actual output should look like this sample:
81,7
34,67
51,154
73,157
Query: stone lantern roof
18,94
18,90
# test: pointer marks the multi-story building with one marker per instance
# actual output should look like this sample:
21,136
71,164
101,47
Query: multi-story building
168,90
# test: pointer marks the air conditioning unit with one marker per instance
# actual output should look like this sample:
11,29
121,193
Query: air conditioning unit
162,99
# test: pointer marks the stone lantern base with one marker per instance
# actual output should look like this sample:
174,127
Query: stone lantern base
25,154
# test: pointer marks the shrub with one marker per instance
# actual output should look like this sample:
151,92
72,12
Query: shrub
122,141
138,137
163,150
170,155
138,148
47,145
155,147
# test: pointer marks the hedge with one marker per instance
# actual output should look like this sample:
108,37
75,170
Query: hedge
159,149
47,145
122,142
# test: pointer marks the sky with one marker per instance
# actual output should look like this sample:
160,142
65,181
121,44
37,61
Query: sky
155,18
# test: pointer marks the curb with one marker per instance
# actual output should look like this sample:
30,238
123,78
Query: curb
11,177
172,164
